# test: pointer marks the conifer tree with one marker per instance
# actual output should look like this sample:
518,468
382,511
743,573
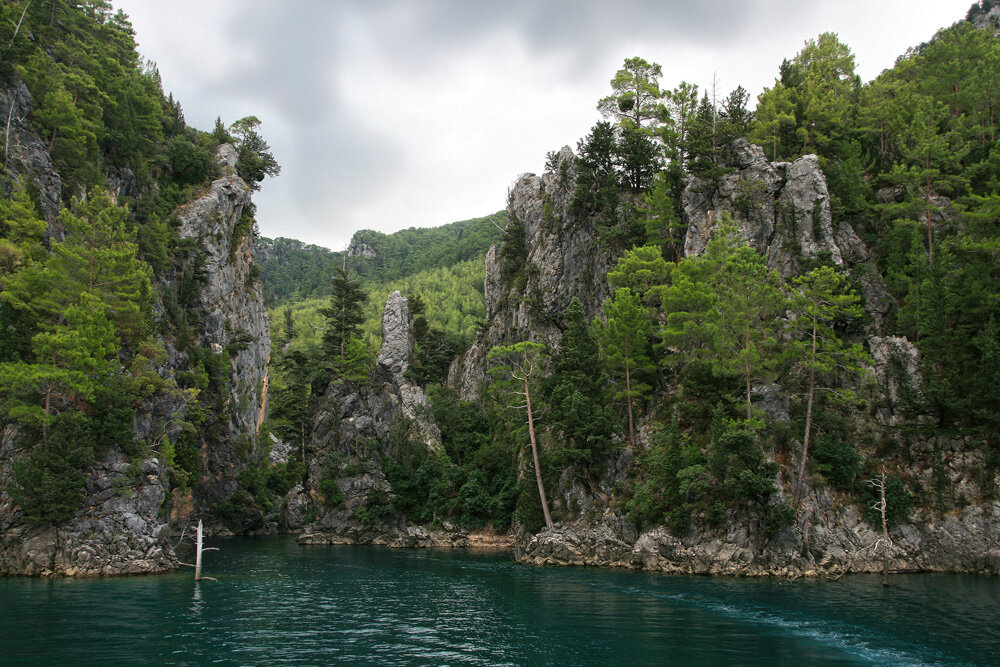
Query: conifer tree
516,370
818,299
344,316
577,391
625,341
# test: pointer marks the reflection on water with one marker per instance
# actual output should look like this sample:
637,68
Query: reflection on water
276,601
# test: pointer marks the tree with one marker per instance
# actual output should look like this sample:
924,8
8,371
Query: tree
747,305
635,102
641,270
516,369
736,118
774,117
344,316
663,223
625,341
49,481
682,104
818,299
931,161
576,392
254,161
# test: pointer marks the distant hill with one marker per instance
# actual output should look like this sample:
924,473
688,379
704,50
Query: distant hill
291,270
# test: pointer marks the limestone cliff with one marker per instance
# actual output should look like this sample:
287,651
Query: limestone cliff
563,260
233,320
26,158
352,428
123,525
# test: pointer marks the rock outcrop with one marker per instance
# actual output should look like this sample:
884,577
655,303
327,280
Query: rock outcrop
838,542
352,427
25,155
563,260
119,530
233,312
782,208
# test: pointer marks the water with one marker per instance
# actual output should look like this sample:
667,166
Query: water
278,602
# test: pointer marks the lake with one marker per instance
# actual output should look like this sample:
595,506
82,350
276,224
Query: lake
278,602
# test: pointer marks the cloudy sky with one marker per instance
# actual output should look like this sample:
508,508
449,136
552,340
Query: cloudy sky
387,114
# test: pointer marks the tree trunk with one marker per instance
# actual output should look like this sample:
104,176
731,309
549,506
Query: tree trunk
197,554
746,366
628,402
534,454
927,214
809,410
885,534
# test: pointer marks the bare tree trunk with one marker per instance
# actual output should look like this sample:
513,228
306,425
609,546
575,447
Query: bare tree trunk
927,214
534,454
628,402
197,553
809,410
885,533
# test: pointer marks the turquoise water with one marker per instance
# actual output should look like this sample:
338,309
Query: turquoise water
276,602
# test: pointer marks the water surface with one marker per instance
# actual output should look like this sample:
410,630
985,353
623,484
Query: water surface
276,602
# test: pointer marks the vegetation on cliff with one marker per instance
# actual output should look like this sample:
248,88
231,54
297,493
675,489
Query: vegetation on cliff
99,304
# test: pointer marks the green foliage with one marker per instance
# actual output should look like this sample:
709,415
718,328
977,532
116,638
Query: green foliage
254,161
898,502
576,392
377,506
48,482
344,315
625,342
635,102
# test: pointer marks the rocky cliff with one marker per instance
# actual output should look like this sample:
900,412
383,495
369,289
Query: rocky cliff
123,525
783,209
563,260
27,163
353,427
233,321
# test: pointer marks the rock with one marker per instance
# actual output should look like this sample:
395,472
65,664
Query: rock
783,209
354,421
564,260
234,319
27,156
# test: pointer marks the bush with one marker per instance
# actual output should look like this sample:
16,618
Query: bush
48,482
837,461
377,506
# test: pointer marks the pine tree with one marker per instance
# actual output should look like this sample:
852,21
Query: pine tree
625,341
818,299
515,370
577,391
344,316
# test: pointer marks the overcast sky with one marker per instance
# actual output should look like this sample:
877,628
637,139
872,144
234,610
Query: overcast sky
387,114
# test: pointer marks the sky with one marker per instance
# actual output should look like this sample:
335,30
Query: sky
388,114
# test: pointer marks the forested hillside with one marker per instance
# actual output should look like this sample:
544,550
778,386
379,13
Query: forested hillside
734,317
130,310
292,271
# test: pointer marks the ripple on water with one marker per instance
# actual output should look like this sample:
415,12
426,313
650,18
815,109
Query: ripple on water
276,602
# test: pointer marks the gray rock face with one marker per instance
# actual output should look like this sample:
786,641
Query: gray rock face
232,311
352,422
564,260
118,531
837,541
783,209
25,155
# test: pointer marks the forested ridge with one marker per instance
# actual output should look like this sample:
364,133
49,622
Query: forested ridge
101,299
